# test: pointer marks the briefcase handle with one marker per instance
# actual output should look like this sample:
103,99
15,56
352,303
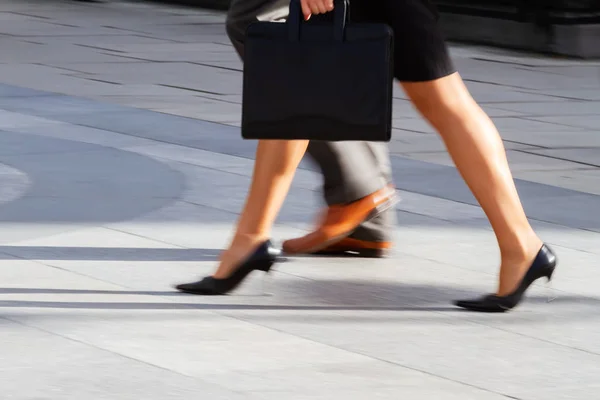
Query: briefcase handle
340,18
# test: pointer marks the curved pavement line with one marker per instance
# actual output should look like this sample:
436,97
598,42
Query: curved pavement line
541,201
80,184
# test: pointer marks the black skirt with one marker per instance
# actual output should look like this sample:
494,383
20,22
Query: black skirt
420,51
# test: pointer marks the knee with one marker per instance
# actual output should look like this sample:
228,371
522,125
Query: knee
441,101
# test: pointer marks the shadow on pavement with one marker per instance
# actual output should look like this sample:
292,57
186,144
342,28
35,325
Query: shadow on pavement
408,297
107,253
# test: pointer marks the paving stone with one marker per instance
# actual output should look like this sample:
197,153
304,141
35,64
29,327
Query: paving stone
84,134
115,185
590,122
581,180
589,157
523,159
567,137
55,372
48,106
587,93
12,120
13,183
552,109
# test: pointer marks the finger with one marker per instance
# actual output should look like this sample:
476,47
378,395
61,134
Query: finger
325,6
315,8
306,9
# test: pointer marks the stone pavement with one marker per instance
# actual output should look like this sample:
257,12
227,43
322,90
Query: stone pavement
122,172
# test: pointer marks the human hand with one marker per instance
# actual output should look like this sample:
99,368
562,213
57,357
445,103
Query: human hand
310,7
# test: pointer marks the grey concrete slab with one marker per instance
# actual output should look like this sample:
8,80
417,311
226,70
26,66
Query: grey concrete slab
206,109
43,28
95,244
83,134
437,208
13,183
174,98
582,180
524,158
522,125
246,347
7,91
66,84
412,125
47,106
305,178
418,145
105,204
589,156
71,178
120,94
138,123
517,75
552,109
591,122
567,137
101,41
54,365
12,120
491,93
228,193
20,144
589,93
149,125
42,54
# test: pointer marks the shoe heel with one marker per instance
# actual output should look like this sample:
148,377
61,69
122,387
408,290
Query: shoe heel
266,268
550,292
550,272
266,283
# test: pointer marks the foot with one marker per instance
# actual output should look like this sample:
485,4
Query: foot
357,248
542,266
514,267
261,259
340,221
242,247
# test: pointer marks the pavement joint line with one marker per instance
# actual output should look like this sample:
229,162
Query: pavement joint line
533,118
397,364
560,158
533,91
121,355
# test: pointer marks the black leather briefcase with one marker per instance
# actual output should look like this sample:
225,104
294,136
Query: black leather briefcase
318,81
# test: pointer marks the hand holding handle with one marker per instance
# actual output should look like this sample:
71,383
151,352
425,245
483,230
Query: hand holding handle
310,7
298,8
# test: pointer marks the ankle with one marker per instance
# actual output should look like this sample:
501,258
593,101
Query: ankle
521,249
245,240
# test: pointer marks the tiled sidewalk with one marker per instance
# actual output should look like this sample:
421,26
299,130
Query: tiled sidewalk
122,172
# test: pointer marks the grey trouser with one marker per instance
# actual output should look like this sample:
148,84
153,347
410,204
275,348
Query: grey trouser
351,170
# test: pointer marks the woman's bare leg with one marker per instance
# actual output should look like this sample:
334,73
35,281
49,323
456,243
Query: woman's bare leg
274,169
478,152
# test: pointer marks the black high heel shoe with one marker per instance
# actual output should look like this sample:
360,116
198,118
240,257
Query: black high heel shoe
542,267
261,260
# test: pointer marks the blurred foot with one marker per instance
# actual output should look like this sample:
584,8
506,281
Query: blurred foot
340,221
